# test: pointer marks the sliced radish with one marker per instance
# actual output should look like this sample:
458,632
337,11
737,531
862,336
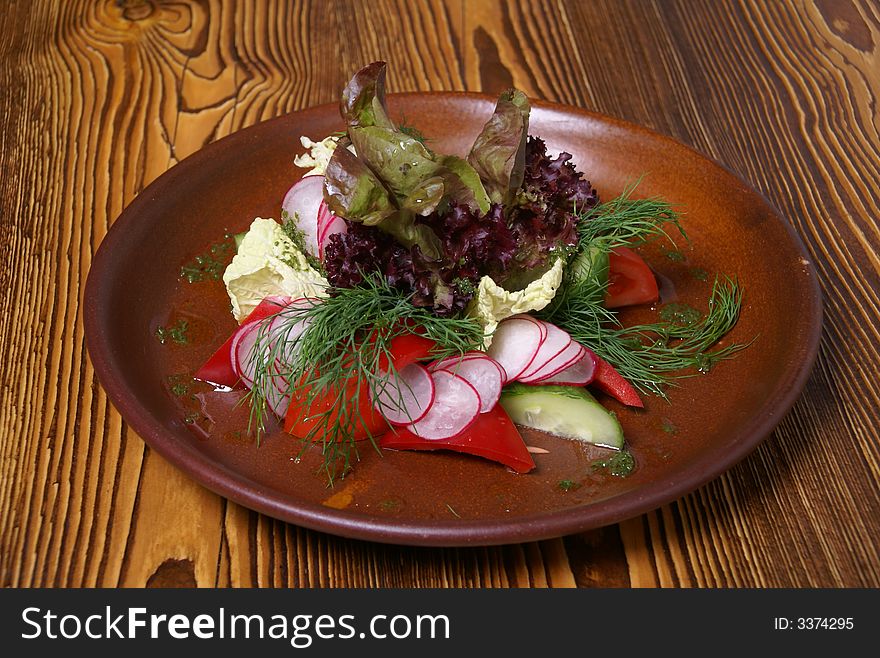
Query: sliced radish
455,359
242,352
282,330
267,332
280,381
302,202
407,398
541,324
328,225
456,406
450,362
554,344
484,375
278,397
324,218
571,354
580,373
218,369
515,343
504,377
441,364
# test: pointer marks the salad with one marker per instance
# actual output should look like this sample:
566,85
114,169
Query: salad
416,300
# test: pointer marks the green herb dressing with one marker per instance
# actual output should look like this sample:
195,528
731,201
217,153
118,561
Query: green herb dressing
668,426
175,333
699,274
208,266
620,464
683,315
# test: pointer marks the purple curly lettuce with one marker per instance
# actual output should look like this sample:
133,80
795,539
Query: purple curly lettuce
473,245
543,220
500,243
349,256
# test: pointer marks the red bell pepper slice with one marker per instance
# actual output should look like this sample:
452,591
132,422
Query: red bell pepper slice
302,421
404,350
218,369
492,436
609,381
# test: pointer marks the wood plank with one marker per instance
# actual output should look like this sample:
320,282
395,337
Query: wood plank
101,98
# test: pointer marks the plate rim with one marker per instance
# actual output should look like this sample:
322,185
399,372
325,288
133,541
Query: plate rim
228,483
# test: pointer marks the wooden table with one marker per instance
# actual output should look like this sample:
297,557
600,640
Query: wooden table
100,97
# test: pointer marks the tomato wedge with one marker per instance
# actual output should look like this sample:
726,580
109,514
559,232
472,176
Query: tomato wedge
609,381
218,369
301,420
630,280
492,436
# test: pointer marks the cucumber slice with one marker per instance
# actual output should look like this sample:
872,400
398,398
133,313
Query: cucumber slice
567,411
592,263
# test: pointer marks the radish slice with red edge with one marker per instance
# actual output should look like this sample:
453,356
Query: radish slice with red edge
241,351
282,330
243,346
328,224
501,370
541,324
442,364
278,397
218,369
580,373
571,354
302,202
515,343
450,362
456,407
324,217
335,226
484,375
406,399
553,345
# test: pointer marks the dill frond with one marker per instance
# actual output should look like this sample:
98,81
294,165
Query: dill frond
650,356
329,355
627,221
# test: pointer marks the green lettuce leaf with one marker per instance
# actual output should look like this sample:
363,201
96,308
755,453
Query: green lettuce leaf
363,99
499,152
463,184
394,178
403,227
399,160
426,196
352,191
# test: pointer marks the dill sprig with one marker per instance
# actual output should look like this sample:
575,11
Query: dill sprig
626,221
650,356
623,221
329,354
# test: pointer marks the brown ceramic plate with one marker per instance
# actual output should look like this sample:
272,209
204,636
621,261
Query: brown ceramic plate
711,421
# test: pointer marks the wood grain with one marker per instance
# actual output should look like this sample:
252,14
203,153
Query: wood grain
100,97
